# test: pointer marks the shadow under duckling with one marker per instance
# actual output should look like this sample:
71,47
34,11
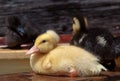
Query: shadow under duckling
50,58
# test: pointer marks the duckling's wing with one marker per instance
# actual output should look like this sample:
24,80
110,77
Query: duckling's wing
47,64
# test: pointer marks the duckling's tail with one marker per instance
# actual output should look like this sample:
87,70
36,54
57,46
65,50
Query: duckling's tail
98,69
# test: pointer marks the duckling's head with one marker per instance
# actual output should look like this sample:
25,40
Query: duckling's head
79,24
45,43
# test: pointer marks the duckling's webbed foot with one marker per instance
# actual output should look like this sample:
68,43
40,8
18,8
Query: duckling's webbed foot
72,72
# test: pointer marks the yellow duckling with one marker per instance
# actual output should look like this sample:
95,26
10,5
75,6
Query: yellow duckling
47,57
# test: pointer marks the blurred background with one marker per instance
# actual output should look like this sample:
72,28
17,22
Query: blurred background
58,14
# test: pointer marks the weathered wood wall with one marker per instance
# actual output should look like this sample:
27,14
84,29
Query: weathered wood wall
57,14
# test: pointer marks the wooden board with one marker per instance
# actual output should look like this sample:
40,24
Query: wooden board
13,54
8,66
30,76
118,63
58,14
14,61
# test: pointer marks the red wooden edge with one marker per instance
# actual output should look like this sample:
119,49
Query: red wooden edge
64,38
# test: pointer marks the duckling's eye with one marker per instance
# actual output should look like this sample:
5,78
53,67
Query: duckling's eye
43,41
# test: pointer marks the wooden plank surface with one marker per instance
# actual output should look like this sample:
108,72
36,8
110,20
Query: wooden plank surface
30,76
58,14
13,54
8,66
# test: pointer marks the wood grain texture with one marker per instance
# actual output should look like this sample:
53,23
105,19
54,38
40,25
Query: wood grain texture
53,14
30,76
8,66
13,54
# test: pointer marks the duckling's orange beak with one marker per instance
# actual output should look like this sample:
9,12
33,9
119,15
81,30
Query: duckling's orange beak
33,50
